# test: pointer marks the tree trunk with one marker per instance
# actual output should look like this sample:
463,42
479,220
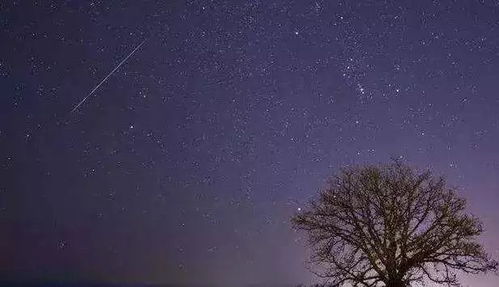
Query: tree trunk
395,283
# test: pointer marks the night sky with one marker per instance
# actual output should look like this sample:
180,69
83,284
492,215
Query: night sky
186,164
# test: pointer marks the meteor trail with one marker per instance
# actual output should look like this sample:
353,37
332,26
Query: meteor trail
108,75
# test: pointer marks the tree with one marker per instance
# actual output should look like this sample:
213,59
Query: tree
390,225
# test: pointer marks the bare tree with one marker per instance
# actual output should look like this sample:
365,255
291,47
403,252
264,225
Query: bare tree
392,226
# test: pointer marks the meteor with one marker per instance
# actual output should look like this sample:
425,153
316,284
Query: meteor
108,75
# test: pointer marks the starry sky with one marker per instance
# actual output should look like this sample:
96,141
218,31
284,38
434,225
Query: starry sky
186,164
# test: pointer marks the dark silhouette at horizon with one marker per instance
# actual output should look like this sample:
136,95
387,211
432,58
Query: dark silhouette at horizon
172,141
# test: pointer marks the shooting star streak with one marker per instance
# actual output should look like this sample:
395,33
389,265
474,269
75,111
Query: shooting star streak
108,75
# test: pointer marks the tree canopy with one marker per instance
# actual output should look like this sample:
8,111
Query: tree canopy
390,225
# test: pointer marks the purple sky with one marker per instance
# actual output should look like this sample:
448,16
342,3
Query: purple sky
187,162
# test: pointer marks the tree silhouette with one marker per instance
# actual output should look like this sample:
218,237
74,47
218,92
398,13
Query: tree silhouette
389,225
